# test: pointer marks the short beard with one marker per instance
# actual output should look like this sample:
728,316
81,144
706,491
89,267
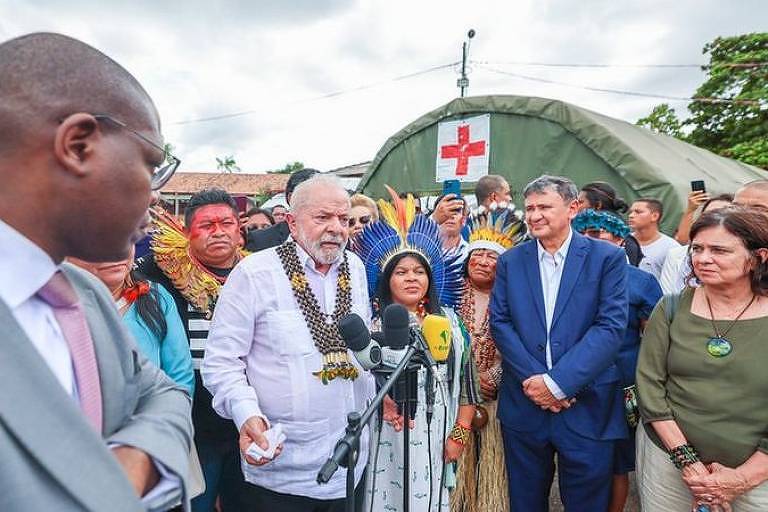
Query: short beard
316,251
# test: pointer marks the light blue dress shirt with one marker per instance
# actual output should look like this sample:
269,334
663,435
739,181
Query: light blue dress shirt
551,273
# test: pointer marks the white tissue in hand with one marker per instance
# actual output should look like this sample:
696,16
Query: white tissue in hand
274,437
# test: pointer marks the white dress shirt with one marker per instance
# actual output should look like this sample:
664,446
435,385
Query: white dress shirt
259,361
675,270
551,273
24,269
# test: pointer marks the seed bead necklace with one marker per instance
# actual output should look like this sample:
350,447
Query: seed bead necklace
719,345
482,343
323,328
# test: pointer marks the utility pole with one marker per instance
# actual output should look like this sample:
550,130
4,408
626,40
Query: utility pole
463,82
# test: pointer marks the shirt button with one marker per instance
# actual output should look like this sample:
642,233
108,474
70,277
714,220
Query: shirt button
540,347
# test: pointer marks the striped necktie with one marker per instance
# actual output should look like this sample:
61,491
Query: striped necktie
61,296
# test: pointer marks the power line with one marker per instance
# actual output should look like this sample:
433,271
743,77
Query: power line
619,91
584,65
599,65
322,96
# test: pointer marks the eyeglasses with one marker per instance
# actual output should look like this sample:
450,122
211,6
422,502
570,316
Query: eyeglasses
365,219
163,172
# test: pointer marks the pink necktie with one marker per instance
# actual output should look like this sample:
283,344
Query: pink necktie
60,295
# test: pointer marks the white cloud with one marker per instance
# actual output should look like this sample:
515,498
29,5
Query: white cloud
199,59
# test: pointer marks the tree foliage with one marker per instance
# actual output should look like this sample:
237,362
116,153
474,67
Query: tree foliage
227,164
736,128
289,168
663,119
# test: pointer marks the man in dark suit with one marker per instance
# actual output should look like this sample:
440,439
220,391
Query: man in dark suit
261,239
558,314
86,422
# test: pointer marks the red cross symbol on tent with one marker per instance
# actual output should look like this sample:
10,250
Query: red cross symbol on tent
463,150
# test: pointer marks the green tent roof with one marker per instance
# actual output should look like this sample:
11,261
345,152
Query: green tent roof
532,136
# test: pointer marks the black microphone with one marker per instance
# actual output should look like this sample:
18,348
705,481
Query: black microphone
397,336
417,340
358,339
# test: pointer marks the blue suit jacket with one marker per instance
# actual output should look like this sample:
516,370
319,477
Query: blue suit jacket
587,331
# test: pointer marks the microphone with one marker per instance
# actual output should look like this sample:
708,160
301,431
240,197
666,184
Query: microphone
358,339
437,334
396,334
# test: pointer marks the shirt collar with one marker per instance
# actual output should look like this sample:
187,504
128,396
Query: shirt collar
24,267
561,253
308,263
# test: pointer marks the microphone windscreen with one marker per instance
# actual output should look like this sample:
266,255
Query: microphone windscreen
354,332
437,334
395,326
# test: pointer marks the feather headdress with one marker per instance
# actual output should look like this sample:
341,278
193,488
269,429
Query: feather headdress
400,231
496,230
170,248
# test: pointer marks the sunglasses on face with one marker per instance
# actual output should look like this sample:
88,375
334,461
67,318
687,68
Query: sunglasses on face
365,219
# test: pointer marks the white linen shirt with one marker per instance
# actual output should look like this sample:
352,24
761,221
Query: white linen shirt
24,269
259,361
551,273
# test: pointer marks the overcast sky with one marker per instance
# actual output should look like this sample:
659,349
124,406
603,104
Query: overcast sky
278,59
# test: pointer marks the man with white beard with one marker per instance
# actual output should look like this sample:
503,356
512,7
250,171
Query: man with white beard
275,356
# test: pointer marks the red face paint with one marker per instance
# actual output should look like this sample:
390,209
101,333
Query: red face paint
212,218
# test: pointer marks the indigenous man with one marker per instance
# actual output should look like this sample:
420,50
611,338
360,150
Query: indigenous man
192,263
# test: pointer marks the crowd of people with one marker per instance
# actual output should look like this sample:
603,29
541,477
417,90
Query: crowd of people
211,373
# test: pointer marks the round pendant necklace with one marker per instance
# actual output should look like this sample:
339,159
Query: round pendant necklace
719,345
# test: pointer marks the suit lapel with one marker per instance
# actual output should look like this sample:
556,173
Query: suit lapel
42,417
574,262
534,279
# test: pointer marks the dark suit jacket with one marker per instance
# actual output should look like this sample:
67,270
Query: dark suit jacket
261,239
587,330
50,456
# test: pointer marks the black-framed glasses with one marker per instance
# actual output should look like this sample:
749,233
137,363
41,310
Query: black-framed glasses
163,172
364,219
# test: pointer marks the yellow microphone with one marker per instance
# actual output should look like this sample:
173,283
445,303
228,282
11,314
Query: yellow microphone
437,334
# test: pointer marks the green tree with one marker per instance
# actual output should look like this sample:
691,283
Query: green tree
289,168
227,164
738,71
663,119
736,127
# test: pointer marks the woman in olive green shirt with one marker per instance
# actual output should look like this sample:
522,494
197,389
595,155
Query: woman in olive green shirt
703,378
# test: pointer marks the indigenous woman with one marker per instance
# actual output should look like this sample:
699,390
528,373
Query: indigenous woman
406,265
481,475
644,293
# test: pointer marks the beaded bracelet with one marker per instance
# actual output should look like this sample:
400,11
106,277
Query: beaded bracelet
683,455
460,434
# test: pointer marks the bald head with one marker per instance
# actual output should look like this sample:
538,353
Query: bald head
753,194
80,135
46,77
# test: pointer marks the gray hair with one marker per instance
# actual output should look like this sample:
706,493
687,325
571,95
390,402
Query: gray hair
303,195
563,186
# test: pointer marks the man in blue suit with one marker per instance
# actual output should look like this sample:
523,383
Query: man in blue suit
558,314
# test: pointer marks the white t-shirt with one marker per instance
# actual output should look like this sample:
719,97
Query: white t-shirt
655,253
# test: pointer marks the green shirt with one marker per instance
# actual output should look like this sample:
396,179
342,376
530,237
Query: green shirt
720,403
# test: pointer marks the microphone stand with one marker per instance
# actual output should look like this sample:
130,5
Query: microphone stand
347,449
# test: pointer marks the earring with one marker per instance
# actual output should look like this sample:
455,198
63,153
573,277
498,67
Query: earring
421,309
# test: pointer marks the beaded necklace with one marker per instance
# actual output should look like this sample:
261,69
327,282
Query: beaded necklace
323,328
483,346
